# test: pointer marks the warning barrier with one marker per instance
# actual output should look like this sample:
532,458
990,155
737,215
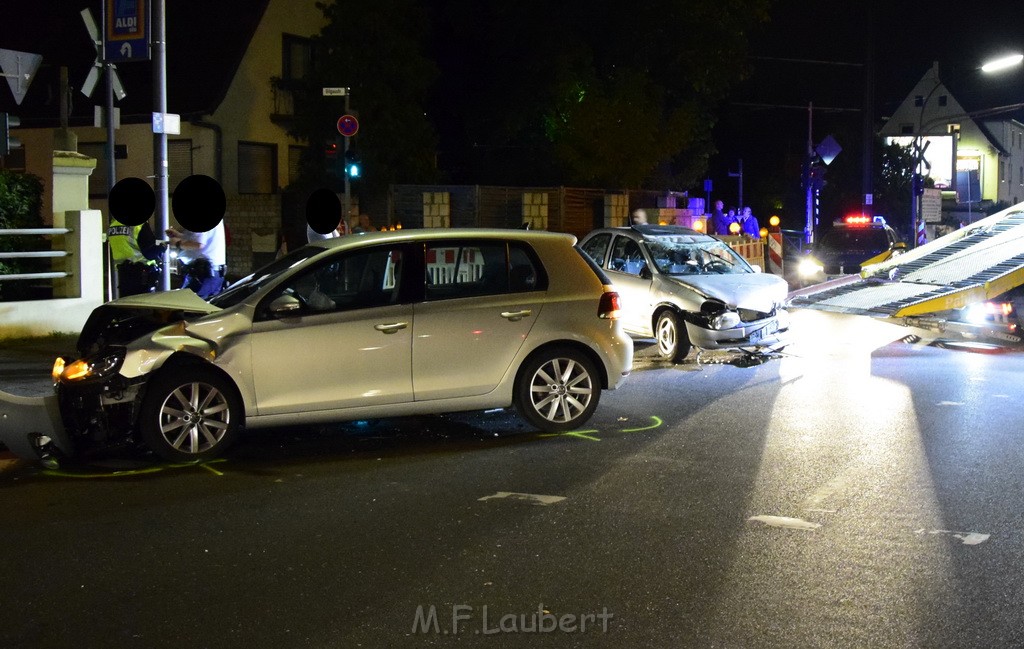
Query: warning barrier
750,249
775,253
922,234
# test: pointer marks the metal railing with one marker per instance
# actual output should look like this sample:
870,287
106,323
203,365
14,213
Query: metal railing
34,254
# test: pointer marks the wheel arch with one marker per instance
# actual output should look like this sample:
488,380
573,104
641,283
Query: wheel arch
576,345
180,360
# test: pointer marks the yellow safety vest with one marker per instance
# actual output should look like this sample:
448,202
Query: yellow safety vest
124,243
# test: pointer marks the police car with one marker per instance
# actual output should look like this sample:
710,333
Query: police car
852,243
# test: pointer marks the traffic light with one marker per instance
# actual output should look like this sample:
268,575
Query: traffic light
917,184
332,156
353,168
7,122
816,176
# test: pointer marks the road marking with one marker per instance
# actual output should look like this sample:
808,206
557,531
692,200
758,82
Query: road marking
536,499
589,434
786,522
950,403
967,538
123,473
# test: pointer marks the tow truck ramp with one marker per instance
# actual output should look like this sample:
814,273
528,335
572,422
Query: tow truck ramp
976,263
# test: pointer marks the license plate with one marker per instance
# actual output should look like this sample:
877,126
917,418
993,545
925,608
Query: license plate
766,330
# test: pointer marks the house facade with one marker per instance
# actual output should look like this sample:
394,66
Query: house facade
974,153
233,121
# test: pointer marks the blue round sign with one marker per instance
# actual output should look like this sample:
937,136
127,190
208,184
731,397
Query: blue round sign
348,125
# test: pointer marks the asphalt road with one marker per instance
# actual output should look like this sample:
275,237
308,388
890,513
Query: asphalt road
839,497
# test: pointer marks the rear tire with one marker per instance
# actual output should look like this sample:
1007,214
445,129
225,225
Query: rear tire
670,332
557,390
190,413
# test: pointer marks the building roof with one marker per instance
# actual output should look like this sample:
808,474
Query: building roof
206,42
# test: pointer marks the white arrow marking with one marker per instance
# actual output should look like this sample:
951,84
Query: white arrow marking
967,538
536,499
786,522
126,50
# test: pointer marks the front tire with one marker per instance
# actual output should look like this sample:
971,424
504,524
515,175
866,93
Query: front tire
190,413
670,332
557,390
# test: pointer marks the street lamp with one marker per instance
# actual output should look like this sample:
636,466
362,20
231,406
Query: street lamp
1002,63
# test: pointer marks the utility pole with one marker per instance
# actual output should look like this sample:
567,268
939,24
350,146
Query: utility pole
159,52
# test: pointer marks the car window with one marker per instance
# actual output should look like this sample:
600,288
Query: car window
626,256
470,269
597,247
354,280
689,256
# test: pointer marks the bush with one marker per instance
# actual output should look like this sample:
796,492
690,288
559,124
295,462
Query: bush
21,199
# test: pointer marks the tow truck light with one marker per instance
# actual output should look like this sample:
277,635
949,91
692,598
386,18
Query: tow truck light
857,220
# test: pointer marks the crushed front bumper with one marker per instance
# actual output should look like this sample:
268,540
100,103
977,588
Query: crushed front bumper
28,425
769,332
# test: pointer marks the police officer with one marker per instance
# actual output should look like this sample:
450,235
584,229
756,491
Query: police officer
135,252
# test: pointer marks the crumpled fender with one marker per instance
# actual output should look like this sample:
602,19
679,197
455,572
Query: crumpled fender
22,419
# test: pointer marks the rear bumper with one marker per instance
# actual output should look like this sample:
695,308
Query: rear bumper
28,423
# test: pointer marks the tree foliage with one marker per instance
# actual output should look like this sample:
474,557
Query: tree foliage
21,198
533,92
376,49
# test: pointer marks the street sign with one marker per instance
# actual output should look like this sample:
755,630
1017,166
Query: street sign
335,92
19,68
348,125
931,205
91,79
169,123
828,149
125,30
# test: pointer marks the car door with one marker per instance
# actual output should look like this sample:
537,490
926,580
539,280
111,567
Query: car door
348,343
481,300
628,269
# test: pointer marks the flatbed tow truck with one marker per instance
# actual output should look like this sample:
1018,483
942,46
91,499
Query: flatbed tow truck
937,286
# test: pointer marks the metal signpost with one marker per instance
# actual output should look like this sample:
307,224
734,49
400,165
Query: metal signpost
347,126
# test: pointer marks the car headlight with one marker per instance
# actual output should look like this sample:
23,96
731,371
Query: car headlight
726,320
88,368
809,267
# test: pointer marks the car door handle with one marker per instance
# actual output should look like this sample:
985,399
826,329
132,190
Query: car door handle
391,328
515,316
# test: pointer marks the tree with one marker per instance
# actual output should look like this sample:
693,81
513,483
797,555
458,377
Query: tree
375,49
585,91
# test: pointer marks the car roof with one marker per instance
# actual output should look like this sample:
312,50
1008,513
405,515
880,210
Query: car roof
660,231
432,234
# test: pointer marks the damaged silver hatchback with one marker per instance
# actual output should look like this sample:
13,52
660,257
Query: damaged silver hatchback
687,289
358,327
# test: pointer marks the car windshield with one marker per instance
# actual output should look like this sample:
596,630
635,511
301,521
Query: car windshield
869,239
687,255
246,286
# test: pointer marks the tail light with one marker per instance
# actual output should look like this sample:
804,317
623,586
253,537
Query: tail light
610,306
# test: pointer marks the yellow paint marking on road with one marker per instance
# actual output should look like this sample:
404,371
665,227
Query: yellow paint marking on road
58,473
657,422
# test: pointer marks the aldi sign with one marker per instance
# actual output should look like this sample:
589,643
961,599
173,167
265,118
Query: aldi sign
125,30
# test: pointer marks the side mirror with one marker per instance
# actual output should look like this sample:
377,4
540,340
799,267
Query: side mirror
285,305
756,267
901,246
645,273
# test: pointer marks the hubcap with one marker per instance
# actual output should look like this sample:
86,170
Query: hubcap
194,418
666,336
561,390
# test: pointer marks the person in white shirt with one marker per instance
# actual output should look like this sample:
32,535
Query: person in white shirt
208,251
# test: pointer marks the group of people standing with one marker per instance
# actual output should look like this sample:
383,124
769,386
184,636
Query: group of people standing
720,222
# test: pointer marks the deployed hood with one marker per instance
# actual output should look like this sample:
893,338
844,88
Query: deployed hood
121,321
754,291
181,299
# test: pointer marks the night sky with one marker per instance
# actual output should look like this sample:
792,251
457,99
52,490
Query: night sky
765,121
